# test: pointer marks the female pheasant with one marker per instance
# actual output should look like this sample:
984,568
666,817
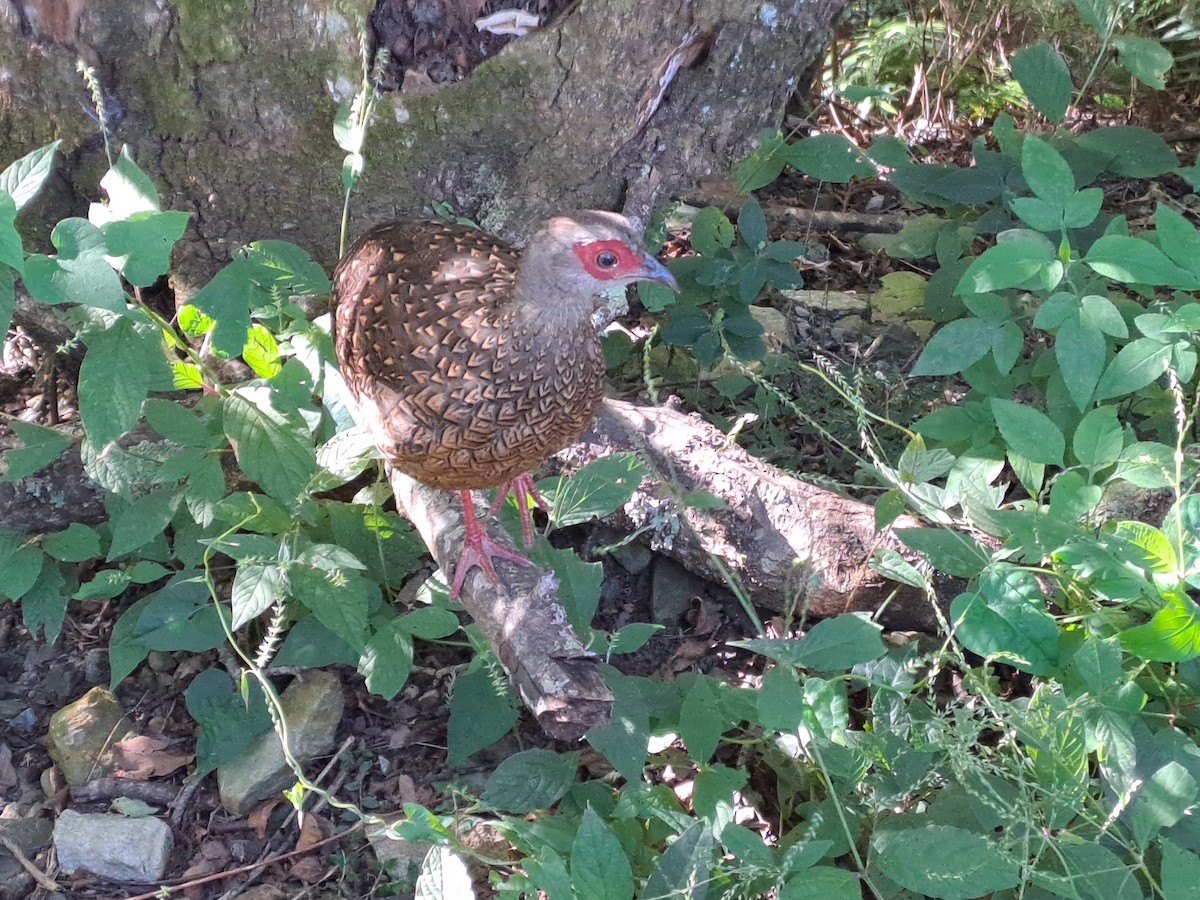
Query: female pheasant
473,363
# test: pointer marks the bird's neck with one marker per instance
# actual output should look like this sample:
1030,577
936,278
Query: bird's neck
546,299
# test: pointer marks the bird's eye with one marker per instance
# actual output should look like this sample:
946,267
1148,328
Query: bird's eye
606,259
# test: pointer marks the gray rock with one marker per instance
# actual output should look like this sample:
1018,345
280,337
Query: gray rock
82,735
313,707
31,834
671,591
113,846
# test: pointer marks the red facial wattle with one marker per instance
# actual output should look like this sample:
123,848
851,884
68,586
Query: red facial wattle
608,260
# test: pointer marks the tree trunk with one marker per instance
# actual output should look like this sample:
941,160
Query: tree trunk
229,107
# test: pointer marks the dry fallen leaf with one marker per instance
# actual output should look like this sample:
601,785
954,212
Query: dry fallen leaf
260,817
142,757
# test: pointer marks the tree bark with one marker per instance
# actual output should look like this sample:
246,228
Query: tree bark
616,103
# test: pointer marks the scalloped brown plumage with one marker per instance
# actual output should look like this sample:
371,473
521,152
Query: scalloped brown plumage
473,363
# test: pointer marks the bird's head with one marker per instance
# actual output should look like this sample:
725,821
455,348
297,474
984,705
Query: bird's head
576,257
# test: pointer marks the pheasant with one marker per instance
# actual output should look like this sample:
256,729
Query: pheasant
472,363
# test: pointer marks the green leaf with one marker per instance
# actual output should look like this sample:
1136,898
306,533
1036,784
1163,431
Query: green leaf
274,449
20,565
530,780
1131,150
600,869
822,883
1045,79
599,488
780,699
1098,438
624,739
956,346
632,637
949,552
965,864
829,157
107,584
763,165
79,273
76,544
228,298
141,521
42,447
1137,261
24,178
1046,172
1180,872
387,660
1162,800
480,714
283,267
1029,432
257,586
1172,635
683,871
129,189
44,605
1007,620
229,722
840,643
711,231
12,253
430,623
1006,265
261,352
1137,364
752,224
139,247
1080,349
1147,60
338,599
115,377
579,583
700,722
178,616
8,299
1147,464
891,564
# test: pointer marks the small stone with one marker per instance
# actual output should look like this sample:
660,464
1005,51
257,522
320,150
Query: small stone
82,734
161,661
672,590
634,557
313,707
95,666
113,847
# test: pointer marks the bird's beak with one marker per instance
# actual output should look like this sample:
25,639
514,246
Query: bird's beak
653,270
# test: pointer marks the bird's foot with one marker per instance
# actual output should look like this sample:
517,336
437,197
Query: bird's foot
523,490
479,549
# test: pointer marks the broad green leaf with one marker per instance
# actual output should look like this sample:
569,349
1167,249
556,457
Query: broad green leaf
962,864
44,605
1172,635
1147,464
600,869
22,179
594,491
481,712
338,599
1178,238
430,623
711,231
178,616
683,869
228,722
700,722
949,552
257,586
624,739
76,544
891,564
1136,261
139,247
579,583
1131,150
633,637
227,299
1007,620
107,584
178,423
1072,498
287,269
41,447
956,346
530,780
12,253
1045,79
1162,800
273,449
780,700
763,165
129,189
839,643
823,883
1080,349
1147,60
1005,265
1029,432
387,660
309,644
144,519
1180,872
1136,365
8,299
117,373
752,224
1046,172
829,157
79,273
20,565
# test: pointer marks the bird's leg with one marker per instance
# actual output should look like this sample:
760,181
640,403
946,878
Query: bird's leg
479,549
523,490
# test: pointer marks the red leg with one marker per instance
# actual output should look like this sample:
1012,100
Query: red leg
479,549
523,489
